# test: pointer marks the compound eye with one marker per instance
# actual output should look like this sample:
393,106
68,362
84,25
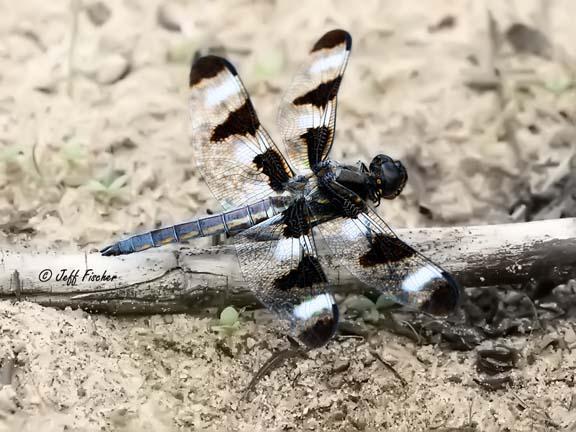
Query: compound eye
394,175
390,171
382,159
377,163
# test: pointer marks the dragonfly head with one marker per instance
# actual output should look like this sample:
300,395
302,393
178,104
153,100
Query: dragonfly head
389,177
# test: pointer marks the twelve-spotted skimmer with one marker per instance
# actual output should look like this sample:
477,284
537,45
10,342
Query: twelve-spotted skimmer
285,202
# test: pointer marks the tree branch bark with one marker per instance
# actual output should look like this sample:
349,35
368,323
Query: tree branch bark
183,279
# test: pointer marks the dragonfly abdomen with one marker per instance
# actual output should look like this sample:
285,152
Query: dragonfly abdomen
229,223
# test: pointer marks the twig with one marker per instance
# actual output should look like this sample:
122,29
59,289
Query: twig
7,370
390,368
16,285
541,412
272,363
75,14
181,279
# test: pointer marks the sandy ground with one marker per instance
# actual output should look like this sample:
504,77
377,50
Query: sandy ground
93,144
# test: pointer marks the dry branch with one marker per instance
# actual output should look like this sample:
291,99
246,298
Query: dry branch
191,280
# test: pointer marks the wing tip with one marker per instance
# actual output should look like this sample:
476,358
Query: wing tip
320,329
445,298
208,67
333,38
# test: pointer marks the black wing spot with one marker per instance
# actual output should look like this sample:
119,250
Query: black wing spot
296,223
208,67
273,166
321,95
316,140
385,249
308,273
243,121
332,39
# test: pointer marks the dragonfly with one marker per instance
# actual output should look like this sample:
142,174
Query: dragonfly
277,209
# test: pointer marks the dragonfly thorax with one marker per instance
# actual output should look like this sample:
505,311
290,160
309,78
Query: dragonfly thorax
298,185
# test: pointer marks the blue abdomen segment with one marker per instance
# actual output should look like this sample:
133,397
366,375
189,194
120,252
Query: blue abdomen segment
230,222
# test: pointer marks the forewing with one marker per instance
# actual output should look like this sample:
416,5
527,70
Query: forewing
282,268
377,257
307,117
234,153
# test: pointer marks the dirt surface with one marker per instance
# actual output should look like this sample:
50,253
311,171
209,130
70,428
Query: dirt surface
94,144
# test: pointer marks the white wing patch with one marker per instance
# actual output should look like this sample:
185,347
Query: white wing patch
416,281
287,249
330,62
352,230
314,306
242,154
222,92
305,121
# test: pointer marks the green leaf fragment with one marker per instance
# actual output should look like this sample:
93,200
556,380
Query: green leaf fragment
386,301
559,86
359,303
269,65
229,316
119,182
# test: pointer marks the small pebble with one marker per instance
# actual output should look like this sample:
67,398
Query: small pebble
98,13
169,16
251,343
341,366
8,401
112,69
46,81
338,416
570,336
359,424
